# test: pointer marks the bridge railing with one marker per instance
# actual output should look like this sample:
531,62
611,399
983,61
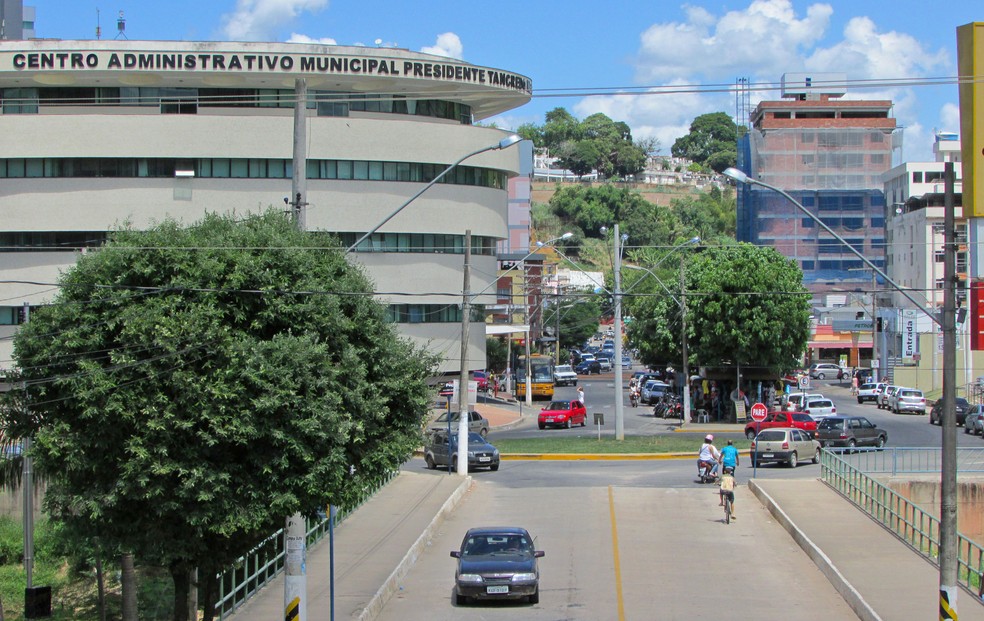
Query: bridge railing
259,566
849,475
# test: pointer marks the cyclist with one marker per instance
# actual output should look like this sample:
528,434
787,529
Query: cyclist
729,456
728,489
708,457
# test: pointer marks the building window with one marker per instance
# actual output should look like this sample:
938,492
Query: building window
877,158
806,137
434,243
917,176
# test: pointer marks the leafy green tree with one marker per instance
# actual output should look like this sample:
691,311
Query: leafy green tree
590,208
595,144
745,305
711,142
710,215
496,352
190,388
578,320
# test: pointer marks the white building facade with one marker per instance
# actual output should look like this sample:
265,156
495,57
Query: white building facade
100,133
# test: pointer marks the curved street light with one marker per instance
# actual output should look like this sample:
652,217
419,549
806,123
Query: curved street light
506,142
948,450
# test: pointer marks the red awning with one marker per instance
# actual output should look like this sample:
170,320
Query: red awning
836,345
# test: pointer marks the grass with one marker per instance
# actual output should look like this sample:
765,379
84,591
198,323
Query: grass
586,443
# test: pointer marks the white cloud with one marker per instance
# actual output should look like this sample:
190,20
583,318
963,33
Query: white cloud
950,117
301,38
448,44
258,20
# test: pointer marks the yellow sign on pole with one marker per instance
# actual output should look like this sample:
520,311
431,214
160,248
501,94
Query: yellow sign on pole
970,66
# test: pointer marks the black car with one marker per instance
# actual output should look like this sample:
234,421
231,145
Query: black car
850,431
588,367
936,414
497,563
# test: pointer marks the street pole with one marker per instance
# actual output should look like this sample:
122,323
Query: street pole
875,364
463,368
298,187
948,473
686,363
619,412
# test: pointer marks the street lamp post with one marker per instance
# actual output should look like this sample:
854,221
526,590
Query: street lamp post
948,466
682,303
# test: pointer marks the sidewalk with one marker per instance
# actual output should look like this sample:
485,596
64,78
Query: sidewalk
877,574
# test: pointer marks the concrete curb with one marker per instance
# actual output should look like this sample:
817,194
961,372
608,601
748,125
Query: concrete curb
840,583
375,605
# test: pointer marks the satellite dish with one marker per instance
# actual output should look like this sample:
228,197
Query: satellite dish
379,41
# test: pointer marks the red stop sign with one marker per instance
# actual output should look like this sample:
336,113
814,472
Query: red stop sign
759,412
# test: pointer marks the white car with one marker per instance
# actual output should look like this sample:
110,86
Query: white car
869,392
824,370
907,400
564,375
606,363
819,408
885,395
796,401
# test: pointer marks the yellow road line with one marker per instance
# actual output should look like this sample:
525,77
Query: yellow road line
618,566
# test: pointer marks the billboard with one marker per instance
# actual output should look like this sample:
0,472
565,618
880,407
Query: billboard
970,66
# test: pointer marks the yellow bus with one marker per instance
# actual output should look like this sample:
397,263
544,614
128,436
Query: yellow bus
541,377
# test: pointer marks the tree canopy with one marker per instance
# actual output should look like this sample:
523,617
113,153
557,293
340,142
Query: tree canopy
578,320
745,304
711,142
597,143
192,387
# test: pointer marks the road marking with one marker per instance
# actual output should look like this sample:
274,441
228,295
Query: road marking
618,567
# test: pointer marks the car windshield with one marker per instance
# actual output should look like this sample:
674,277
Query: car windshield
564,368
558,405
831,423
488,544
473,438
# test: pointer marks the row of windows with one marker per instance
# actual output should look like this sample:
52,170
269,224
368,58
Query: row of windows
431,313
249,168
52,241
188,100
845,265
841,160
420,242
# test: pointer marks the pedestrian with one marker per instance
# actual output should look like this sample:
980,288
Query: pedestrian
580,394
854,384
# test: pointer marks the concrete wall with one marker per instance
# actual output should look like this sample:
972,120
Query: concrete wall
925,492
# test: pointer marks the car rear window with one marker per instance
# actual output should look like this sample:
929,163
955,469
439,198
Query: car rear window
831,423
868,386
772,436
911,393
821,404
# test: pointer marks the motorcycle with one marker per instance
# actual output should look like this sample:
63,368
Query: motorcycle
634,399
707,471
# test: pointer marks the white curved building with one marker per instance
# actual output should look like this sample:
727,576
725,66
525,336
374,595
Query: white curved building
95,133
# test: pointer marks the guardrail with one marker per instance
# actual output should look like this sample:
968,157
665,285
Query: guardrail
906,460
260,565
912,524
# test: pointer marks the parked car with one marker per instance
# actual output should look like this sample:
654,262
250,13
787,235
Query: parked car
820,407
796,401
564,375
442,450
796,420
784,445
910,400
850,431
961,406
562,414
652,391
587,367
974,420
885,395
497,563
824,370
869,392
476,422
482,380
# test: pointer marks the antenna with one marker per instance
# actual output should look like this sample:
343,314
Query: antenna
98,28
120,26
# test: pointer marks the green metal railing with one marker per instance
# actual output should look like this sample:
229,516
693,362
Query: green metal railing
917,527
259,566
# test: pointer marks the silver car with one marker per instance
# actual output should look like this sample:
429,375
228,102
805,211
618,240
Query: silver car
885,395
974,422
907,400
784,445
476,422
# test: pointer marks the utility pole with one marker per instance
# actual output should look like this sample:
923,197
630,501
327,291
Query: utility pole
463,368
686,362
27,484
298,187
619,410
875,364
295,532
948,471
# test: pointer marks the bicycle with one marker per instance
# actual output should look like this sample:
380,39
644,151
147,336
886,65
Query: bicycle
727,509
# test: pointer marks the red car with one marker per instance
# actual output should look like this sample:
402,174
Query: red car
482,378
563,414
797,420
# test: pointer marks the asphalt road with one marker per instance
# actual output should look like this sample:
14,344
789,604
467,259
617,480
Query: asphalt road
625,540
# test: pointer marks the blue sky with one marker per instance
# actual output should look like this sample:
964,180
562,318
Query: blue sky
575,46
